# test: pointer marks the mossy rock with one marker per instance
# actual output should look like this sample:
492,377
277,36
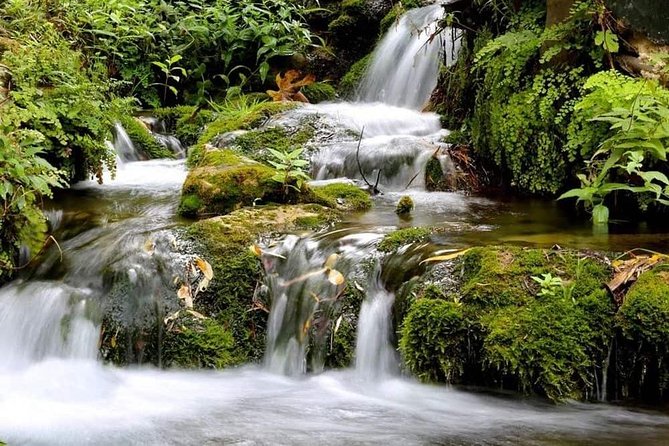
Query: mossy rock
499,277
143,140
224,241
319,92
227,181
433,340
351,80
195,343
494,327
231,119
256,143
345,197
401,237
643,342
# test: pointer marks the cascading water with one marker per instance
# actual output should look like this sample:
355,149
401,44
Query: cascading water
404,67
53,391
123,145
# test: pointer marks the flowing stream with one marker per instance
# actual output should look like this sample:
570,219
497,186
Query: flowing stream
54,390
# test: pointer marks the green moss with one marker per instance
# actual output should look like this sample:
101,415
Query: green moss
255,143
190,205
342,196
225,244
349,83
319,92
199,344
143,140
230,182
499,277
235,118
492,328
401,237
644,316
404,206
543,347
433,340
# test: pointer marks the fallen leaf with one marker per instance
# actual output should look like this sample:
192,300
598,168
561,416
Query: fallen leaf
255,250
184,292
335,277
172,317
205,267
338,323
149,247
331,261
446,257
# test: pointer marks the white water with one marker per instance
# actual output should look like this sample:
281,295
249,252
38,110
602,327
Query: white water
375,355
123,145
405,65
52,391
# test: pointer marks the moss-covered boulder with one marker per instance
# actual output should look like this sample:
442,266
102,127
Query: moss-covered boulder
401,237
227,181
319,92
504,323
643,321
224,241
242,114
341,196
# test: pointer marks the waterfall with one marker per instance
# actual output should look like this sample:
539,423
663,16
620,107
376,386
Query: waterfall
375,355
123,145
405,65
41,320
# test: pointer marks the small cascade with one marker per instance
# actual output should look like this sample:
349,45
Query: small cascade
41,320
159,131
396,144
305,295
123,145
405,65
172,143
375,356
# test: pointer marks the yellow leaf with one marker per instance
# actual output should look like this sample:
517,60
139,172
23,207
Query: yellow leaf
336,328
331,261
113,342
149,247
255,250
335,277
205,267
446,257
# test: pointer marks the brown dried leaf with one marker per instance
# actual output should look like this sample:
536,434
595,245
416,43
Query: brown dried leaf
149,247
205,267
335,277
331,261
184,292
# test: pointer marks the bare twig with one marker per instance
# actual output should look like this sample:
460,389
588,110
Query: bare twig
374,189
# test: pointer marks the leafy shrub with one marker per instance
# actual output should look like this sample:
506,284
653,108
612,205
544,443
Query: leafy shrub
526,96
631,117
25,177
